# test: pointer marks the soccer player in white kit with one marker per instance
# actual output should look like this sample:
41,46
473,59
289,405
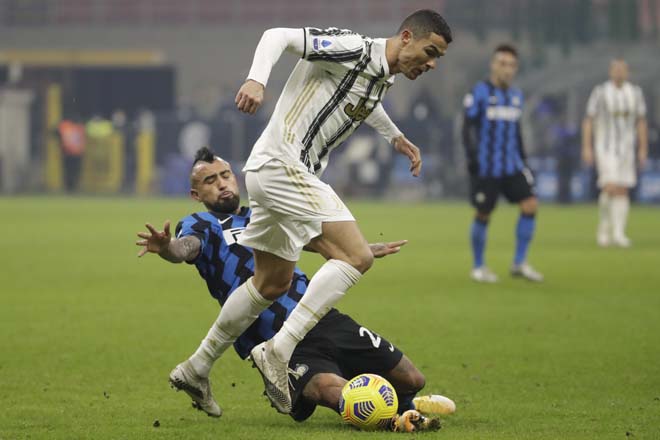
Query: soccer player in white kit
338,84
616,115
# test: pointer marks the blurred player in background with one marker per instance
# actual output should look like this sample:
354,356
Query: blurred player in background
496,162
616,112
335,350
338,84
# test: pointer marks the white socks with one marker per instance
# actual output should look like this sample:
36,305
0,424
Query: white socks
604,211
327,287
620,205
239,311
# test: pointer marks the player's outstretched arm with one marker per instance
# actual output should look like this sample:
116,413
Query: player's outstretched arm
161,243
269,50
381,250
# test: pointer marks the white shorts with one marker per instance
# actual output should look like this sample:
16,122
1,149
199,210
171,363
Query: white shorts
288,206
616,169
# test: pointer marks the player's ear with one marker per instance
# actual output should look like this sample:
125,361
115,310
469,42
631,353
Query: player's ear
194,194
406,36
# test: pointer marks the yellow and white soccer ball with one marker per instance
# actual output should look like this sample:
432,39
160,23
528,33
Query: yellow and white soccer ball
368,402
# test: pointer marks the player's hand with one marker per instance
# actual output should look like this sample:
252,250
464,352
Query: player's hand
641,159
588,156
250,96
381,250
154,241
404,146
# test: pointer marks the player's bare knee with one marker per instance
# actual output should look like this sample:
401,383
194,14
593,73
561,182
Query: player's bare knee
324,389
411,380
417,381
273,288
362,261
406,377
529,206
483,216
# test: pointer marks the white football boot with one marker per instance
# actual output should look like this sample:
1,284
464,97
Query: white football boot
483,274
434,404
275,375
526,271
621,241
184,377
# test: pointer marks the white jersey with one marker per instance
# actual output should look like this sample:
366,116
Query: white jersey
615,111
340,79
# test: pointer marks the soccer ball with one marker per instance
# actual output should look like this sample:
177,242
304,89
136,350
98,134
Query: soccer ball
368,402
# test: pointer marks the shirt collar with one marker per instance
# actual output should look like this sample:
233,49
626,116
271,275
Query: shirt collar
380,45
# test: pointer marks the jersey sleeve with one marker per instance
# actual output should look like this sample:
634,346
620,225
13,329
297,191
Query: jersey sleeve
472,111
640,107
472,101
593,104
333,45
196,227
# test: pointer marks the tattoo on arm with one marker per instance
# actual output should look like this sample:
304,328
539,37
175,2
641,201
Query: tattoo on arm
182,249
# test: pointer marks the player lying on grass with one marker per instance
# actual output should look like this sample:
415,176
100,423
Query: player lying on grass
336,349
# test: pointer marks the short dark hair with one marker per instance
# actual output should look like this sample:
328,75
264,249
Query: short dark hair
423,22
204,154
506,48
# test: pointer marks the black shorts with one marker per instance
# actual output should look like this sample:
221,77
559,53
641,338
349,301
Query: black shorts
485,190
338,345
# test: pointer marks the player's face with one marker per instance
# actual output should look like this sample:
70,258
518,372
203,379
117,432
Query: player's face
419,55
503,68
215,186
618,71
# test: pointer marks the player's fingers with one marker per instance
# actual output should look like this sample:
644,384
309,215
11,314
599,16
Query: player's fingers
151,229
142,252
141,242
238,97
166,227
244,104
416,168
144,235
253,107
397,244
241,103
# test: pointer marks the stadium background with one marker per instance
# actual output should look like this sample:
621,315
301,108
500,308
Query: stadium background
88,333
165,73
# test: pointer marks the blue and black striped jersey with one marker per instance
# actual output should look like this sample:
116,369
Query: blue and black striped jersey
225,265
491,131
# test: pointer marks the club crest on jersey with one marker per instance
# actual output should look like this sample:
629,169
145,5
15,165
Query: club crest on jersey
359,111
515,101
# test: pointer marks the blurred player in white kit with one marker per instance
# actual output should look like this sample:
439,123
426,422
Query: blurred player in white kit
616,117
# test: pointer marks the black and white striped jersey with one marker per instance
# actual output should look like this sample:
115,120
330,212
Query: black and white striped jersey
340,79
615,111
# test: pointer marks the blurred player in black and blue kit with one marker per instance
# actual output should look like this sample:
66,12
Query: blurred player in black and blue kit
335,350
496,162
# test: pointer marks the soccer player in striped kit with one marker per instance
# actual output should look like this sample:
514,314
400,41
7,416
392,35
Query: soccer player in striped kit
496,163
335,350
337,84
616,114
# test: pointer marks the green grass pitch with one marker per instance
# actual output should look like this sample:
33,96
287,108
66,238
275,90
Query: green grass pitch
89,332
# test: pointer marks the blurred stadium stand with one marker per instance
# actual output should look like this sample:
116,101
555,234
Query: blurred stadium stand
165,72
